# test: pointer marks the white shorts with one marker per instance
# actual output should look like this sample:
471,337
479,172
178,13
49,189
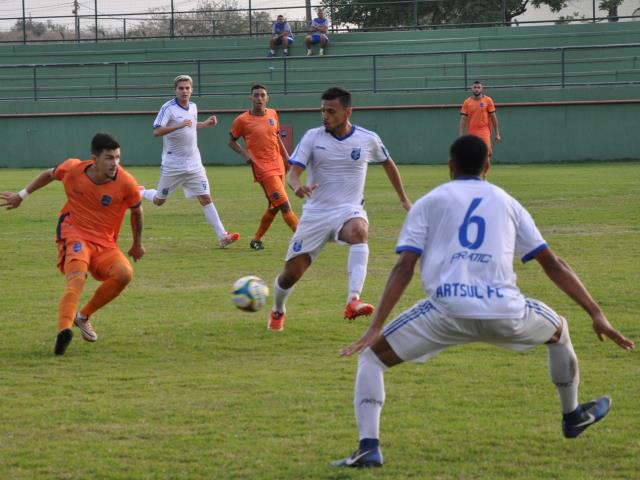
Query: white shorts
422,331
319,227
193,183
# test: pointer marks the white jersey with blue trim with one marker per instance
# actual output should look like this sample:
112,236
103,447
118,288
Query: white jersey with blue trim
338,165
179,148
467,232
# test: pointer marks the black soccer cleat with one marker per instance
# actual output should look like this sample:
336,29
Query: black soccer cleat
256,245
63,339
585,415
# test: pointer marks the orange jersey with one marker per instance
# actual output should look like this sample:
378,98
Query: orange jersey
260,133
478,112
95,211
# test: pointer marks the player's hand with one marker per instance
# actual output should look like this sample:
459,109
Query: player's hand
498,138
305,190
11,200
603,328
371,336
136,252
212,121
249,159
186,123
406,204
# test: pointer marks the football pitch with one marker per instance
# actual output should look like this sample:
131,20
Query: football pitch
182,385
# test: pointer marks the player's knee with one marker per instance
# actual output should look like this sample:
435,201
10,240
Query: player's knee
122,273
204,200
76,280
359,235
285,207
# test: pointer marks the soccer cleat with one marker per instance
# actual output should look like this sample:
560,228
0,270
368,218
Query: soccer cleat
63,339
256,245
361,458
585,415
356,308
286,54
228,239
86,330
271,54
276,321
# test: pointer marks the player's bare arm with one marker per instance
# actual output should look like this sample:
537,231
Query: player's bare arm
137,250
495,127
236,147
284,154
399,278
393,174
293,179
463,125
14,200
566,280
161,131
212,121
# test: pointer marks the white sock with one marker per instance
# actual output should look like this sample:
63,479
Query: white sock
357,268
564,371
149,194
286,50
213,219
369,394
322,51
280,296
272,52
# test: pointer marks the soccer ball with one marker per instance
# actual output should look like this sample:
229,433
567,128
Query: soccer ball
250,293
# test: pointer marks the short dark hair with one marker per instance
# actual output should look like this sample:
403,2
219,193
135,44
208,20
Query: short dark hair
344,96
256,86
103,141
469,155
477,82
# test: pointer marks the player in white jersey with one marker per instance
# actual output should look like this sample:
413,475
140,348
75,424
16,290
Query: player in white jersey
177,123
336,158
465,234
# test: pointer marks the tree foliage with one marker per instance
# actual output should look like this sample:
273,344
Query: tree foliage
403,13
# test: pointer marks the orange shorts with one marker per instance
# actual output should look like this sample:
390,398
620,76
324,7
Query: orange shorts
274,190
99,259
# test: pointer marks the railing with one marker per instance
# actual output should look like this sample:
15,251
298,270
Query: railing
250,21
407,72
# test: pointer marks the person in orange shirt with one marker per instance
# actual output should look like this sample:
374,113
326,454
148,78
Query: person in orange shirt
267,155
99,191
478,116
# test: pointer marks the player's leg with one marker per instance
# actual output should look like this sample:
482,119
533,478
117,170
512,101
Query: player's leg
285,45
355,232
323,43
266,220
112,268
197,185
307,42
277,195
167,184
283,285
410,336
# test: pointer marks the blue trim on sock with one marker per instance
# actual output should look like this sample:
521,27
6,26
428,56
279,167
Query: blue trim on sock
369,443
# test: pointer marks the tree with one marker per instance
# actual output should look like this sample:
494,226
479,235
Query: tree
383,14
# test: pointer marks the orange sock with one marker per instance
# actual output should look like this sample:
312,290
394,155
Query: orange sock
120,274
265,223
76,276
291,219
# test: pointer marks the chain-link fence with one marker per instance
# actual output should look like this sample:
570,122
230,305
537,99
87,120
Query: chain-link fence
26,21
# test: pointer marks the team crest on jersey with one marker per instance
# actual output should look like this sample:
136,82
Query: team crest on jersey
355,154
481,104
297,245
77,246
275,196
106,200
271,122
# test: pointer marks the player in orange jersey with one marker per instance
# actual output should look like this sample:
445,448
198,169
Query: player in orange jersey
268,158
478,116
99,191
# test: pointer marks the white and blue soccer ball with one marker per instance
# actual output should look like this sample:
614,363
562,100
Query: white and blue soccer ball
250,293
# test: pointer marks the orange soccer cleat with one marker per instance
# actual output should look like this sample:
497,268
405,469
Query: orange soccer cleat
276,321
356,308
228,239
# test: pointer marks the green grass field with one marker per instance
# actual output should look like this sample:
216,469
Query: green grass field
181,385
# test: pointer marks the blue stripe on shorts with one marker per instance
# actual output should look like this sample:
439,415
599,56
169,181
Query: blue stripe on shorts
408,316
543,310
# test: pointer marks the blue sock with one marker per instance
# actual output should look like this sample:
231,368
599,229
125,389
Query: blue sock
369,443
573,417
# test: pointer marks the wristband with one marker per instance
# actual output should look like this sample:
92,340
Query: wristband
23,193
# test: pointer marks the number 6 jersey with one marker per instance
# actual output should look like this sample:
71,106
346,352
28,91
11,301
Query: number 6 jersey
467,233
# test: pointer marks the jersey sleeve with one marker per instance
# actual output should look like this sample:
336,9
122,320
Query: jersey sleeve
464,110
61,170
379,152
132,196
163,117
237,127
413,236
303,151
529,240
491,108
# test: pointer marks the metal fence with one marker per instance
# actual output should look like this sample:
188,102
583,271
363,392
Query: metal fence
87,22
410,72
